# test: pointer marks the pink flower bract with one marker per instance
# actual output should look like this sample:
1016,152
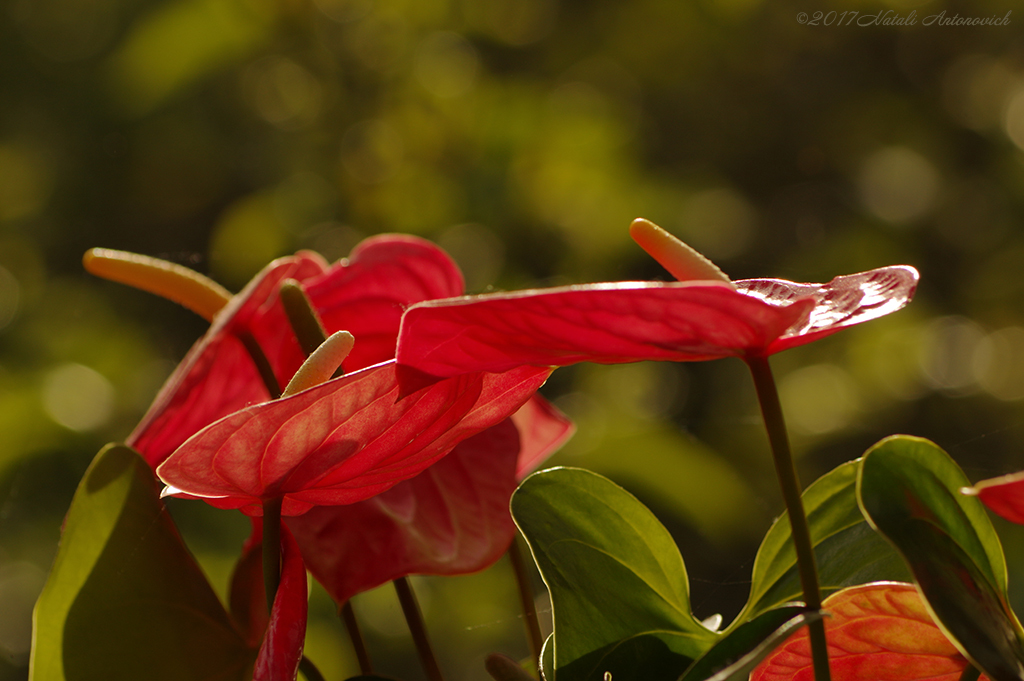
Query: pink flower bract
632,321
342,441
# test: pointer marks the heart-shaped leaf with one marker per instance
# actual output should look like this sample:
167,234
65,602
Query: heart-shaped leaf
619,591
838,531
125,600
736,654
876,632
909,489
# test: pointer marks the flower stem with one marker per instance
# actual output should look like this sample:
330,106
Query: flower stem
413,616
272,548
262,364
971,673
771,410
529,607
348,616
309,670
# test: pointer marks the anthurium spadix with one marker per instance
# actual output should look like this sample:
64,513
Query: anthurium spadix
692,320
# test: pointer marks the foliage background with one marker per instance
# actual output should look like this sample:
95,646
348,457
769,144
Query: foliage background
523,136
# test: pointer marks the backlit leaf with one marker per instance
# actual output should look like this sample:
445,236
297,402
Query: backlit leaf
619,590
125,599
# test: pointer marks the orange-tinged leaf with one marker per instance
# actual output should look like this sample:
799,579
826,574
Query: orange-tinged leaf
877,632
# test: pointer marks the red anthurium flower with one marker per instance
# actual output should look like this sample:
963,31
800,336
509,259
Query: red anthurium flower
451,519
342,441
1003,495
631,321
876,632
364,294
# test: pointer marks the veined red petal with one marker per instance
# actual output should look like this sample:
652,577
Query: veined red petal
217,377
1003,495
844,301
342,441
367,294
364,294
632,321
543,429
603,323
876,632
451,519
281,652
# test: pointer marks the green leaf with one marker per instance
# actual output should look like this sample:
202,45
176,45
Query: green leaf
125,599
838,531
619,591
909,489
547,659
736,654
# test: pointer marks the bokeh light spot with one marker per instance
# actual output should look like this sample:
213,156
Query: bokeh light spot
447,64
78,397
372,151
898,184
248,235
282,92
998,363
718,222
949,344
819,399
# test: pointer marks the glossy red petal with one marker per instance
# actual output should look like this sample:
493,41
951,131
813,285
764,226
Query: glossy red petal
844,301
604,323
364,294
543,429
876,632
383,276
281,652
217,376
1003,495
342,441
451,519
632,321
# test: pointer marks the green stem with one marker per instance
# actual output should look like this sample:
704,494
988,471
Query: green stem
262,364
971,673
272,548
302,317
413,616
526,601
309,670
348,616
771,410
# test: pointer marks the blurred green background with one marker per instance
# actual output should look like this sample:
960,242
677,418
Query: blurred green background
523,136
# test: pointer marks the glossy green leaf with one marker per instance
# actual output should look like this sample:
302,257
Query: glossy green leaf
909,489
838,531
547,659
737,653
619,591
125,599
